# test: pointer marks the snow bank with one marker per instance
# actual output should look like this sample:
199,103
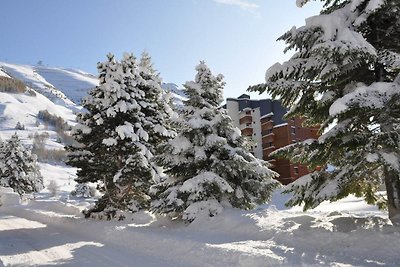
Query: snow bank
8,197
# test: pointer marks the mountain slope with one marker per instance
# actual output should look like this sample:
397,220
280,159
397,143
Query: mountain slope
61,86
58,90
64,84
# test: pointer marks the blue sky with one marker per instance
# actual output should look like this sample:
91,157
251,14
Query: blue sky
235,37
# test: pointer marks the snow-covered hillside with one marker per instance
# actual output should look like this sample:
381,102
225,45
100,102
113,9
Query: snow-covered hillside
58,90
65,84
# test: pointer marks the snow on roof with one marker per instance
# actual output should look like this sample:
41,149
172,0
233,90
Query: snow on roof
246,109
267,115
280,125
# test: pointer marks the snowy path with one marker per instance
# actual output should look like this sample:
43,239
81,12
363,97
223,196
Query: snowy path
30,242
38,236
51,232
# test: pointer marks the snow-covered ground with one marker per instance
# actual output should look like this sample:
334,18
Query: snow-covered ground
52,231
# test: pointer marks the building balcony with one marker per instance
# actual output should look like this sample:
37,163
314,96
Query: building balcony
266,133
246,119
247,132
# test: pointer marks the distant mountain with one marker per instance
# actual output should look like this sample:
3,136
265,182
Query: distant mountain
178,94
58,90
23,108
60,85
65,84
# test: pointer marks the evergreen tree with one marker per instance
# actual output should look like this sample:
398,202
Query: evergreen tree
18,167
345,77
118,134
207,162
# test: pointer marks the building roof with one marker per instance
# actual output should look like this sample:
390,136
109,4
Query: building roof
268,107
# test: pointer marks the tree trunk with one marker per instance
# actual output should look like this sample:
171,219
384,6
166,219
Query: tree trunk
392,183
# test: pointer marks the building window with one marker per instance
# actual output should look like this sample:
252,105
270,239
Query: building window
296,170
270,143
293,130
269,131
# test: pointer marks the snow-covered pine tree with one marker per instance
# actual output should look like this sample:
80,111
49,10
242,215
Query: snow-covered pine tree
345,77
156,109
116,137
207,163
18,167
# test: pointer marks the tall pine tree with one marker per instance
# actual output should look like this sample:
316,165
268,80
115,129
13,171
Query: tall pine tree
208,164
118,134
345,77
18,167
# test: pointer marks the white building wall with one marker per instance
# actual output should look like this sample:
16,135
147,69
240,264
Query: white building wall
257,137
232,108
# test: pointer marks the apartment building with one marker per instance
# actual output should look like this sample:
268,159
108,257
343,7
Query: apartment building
262,120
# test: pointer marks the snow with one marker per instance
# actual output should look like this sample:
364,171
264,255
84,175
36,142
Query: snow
336,32
280,125
3,74
109,141
127,131
8,197
391,159
177,94
376,96
75,84
267,115
32,79
195,184
345,233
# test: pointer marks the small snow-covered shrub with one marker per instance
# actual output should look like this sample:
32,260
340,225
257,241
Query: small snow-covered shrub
53,188
19,126
84,190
